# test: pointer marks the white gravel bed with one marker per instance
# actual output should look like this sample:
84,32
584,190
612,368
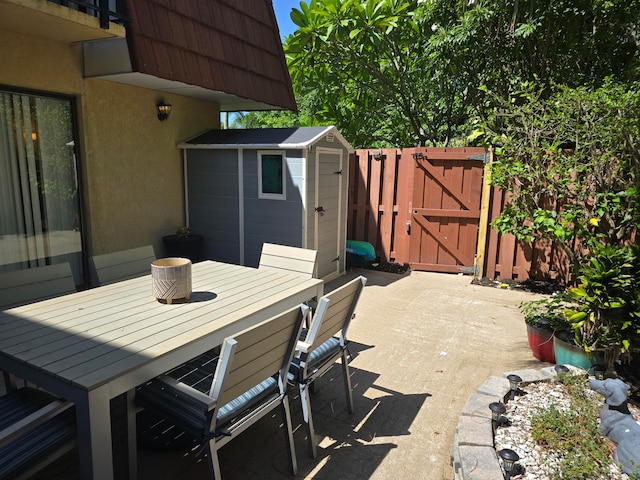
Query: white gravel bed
538,463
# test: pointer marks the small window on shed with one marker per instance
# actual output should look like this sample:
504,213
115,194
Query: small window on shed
271,175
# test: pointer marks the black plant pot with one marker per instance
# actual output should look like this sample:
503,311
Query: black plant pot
189,246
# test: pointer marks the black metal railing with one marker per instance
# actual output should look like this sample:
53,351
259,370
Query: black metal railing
105,10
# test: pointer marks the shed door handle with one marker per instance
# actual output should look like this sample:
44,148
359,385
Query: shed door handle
320,210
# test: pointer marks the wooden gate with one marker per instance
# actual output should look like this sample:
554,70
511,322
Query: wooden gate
421,207
417,206
445,210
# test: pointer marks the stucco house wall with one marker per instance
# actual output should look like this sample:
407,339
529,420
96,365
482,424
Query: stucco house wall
131,169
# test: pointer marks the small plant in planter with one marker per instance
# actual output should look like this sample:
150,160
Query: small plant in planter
606,316
544,317
183,232
546,313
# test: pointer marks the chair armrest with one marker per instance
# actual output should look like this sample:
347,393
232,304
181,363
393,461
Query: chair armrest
28,423
185,392
177,402
303,347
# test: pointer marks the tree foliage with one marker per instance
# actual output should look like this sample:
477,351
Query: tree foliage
570,164
304,117
366,66
408,72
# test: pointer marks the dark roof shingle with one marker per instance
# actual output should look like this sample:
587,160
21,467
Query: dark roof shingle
232,46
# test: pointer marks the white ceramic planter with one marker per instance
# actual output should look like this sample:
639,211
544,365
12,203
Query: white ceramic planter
171,279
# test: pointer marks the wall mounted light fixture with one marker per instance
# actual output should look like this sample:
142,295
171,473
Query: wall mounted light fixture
164,110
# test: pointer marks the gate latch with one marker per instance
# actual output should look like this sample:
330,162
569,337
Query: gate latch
320,210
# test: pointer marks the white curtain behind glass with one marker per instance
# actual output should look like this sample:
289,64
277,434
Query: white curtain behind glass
39,209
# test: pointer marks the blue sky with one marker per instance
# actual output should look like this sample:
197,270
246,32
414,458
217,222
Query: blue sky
282,9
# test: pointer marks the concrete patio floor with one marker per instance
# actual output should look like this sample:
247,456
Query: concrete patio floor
422,343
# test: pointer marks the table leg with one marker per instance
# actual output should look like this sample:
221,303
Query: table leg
94,436
131,430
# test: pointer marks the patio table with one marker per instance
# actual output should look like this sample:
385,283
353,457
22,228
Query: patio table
95,345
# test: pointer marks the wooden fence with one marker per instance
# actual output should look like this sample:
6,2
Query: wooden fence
386,193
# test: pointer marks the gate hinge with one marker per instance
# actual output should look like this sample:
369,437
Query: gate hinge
475,270
484,157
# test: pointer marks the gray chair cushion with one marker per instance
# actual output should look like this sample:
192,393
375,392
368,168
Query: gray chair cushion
324,352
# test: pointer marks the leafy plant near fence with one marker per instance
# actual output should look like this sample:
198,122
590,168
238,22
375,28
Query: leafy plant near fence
570,164
606,312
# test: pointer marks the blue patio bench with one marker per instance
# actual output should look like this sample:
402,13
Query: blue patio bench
322,344
213,399
36,428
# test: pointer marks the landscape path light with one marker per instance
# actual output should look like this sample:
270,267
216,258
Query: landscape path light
497,410
599,371
509,459
514,384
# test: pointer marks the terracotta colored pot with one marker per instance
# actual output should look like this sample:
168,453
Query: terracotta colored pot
541,343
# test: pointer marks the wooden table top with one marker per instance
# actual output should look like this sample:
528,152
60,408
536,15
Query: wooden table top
120,334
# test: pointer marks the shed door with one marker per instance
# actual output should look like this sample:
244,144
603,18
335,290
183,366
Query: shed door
328,213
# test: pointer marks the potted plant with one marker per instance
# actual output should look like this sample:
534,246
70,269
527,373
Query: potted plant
606,316
543,317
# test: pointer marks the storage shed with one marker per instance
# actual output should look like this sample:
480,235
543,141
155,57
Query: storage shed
287,186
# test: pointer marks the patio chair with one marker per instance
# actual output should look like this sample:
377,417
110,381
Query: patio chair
123,265
31,285
34,284
35,429
291,259
231,394
320,348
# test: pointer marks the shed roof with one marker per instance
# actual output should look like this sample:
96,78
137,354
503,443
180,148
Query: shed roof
292,138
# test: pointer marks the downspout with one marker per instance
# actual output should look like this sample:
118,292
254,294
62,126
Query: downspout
305,185
241,203
186,187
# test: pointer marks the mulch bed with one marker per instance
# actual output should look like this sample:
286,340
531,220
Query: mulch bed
379,266
534,286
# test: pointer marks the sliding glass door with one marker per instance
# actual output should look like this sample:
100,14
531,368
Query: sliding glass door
40,220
